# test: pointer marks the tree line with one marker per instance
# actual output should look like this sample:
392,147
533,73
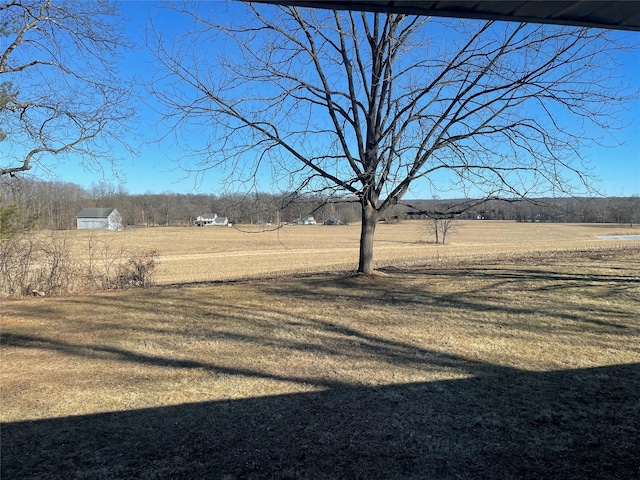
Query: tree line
55,204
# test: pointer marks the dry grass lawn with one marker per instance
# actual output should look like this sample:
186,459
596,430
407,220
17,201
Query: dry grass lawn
500,356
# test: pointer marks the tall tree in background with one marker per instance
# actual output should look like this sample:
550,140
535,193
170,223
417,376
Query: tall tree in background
60,87
369,104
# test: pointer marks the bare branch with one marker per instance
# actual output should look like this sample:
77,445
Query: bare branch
61,89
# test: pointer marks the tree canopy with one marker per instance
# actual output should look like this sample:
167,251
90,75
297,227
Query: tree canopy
60,89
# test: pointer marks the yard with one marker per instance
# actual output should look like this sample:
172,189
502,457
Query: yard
511,353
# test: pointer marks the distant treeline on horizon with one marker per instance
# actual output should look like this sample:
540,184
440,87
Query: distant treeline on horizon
56,204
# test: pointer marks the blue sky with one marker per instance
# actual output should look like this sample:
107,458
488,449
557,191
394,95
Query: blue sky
154,166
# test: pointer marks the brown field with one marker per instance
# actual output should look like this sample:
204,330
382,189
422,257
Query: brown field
512,353
221,253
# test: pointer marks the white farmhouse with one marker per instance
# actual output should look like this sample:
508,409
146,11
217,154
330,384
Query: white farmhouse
99,219
211,219
307,221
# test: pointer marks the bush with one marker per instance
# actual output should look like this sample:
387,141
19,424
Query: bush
137,270
56,272
37,265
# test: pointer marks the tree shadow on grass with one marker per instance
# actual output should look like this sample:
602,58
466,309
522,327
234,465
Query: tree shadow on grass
499,423
571,424
485,293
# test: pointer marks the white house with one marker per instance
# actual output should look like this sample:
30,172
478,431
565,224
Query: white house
306,221
211,219
99,219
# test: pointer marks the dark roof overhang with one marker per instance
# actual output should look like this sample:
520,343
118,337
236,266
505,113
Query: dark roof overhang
618,15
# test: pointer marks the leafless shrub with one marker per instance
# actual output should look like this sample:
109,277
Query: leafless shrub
53,266
102,264
16,259
57,271
137,270
43,265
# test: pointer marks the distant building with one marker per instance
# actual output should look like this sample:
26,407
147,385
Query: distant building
99,219
333,221
211,220
306,221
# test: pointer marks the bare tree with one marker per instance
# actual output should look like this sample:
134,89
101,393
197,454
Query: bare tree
368,104
440,227
61,91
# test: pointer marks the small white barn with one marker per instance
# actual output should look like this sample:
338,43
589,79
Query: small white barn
99,219
211,220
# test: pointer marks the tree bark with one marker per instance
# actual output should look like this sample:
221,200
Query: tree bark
367,231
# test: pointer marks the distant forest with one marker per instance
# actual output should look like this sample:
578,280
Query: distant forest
56,204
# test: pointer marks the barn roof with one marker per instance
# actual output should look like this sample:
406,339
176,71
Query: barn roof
95,212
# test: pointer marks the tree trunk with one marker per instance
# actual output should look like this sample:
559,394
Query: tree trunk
368,228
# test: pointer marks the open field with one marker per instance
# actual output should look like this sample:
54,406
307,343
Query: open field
515,355
222,253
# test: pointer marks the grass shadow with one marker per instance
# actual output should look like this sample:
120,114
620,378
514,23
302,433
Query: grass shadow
515,292
498,422
571,424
